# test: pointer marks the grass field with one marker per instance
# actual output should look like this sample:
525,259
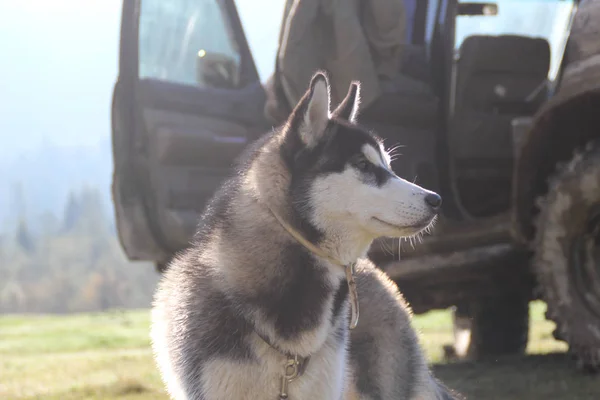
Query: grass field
107,356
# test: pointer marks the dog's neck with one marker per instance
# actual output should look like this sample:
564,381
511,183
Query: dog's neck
343,242
319,252
270,179
339,246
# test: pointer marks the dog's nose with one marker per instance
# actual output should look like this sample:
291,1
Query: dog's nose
434,200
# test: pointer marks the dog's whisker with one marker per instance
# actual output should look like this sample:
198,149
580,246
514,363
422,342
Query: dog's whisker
394,148
387,248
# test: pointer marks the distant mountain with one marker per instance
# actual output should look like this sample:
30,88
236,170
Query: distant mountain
41,179
59,63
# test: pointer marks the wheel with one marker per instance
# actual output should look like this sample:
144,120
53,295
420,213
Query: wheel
567,254
491,327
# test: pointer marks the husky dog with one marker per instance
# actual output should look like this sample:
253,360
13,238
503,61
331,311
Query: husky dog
259,306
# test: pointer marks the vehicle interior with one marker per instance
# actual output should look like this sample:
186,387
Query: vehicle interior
188,99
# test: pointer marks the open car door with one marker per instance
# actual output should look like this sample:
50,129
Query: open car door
187,100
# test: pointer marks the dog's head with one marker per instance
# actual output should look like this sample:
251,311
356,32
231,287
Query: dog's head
341,174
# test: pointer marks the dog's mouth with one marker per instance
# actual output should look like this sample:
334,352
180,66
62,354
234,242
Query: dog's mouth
414,228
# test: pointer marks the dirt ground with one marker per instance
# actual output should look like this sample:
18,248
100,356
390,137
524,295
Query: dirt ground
547,376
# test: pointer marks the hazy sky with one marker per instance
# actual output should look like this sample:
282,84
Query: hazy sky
58,63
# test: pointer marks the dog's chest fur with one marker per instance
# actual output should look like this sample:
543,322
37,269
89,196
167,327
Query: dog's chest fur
324,377
215,352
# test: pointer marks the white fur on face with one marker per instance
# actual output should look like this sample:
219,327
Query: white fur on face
396,209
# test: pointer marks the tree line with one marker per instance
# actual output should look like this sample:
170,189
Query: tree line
70,263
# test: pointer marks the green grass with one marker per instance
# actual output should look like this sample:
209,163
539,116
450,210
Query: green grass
107,356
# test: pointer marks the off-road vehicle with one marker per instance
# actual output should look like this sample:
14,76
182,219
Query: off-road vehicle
501,116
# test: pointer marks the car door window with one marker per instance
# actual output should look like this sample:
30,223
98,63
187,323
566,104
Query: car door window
536,18
189,42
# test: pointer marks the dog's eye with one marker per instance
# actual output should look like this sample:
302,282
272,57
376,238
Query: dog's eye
363,165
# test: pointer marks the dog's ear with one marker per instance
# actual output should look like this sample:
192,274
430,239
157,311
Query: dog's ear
316,113
348,108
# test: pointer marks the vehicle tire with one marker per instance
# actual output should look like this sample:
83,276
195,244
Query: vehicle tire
491,327
567,254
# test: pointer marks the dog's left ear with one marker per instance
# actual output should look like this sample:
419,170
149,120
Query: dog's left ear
348,108
316,114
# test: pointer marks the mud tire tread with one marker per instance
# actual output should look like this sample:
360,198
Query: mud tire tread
551,260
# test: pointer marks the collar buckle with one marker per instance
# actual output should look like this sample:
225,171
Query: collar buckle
294,367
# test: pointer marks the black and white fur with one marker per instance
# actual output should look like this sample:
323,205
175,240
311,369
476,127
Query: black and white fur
245,275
